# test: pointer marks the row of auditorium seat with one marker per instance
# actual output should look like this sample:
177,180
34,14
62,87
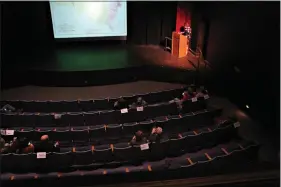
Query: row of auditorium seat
84,138
234,151
170,124
91,105
96,118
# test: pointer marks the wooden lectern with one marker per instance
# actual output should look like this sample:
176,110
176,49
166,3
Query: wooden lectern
179,45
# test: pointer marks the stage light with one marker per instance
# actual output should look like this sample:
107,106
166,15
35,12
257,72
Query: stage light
247,106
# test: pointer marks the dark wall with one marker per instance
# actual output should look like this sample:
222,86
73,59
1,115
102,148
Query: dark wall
28,24
247,35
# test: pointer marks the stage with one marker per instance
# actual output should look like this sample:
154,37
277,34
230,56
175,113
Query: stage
89,64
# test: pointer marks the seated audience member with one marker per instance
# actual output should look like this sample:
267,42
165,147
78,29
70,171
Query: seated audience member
6,148
46,146
13,145
2,143
156,134
201,92
140,102
24,146
138,138
120,104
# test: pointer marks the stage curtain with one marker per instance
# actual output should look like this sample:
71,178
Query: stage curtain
150,22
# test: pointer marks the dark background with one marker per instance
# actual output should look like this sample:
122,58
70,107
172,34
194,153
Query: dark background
241,34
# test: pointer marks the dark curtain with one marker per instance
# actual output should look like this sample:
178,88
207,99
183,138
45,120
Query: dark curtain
150,22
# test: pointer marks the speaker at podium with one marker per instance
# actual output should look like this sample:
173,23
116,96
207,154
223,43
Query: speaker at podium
179,45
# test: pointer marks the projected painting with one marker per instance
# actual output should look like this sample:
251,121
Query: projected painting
88,19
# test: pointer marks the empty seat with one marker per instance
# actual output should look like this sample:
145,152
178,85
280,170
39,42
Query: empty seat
61,134
96,132
92,118
18,163
35,106
130,128
109,117
159,151
83,156
113,131
80,134
102,104
123,152
60,161
44,120
10,120
73,119
103,154
176,147
86,105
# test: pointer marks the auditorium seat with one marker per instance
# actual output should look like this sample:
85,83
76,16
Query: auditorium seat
83,157
18,163
80,134
103,153
92,118
130,128
113,131
96,132
73,119
43,120
109,117
86,105
59,161
62,135
158,151
123,152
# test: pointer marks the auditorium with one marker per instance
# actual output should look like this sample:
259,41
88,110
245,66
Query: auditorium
140,94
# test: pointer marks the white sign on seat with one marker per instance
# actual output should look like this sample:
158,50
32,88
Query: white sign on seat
206,97
144,146
140,108
9,132
236,124
124,111
194,99
41,155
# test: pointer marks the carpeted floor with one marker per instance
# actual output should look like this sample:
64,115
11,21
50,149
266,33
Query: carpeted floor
94,92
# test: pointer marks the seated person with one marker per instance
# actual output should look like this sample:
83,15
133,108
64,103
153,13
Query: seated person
24,146
2,143
6,148
120,104
138,138
140,102
46,146
201,92
156,134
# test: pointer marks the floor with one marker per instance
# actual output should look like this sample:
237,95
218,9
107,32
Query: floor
92,58
94,92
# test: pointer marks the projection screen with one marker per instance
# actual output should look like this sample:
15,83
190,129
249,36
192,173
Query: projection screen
89,19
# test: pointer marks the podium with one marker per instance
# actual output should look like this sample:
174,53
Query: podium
179,45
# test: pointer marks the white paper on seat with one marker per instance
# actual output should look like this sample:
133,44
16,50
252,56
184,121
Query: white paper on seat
194,99
9,132
236,124
144,146
3,132
124,110
41,155
140,108
206,97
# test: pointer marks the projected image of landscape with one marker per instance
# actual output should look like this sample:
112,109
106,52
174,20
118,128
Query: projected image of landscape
88,19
